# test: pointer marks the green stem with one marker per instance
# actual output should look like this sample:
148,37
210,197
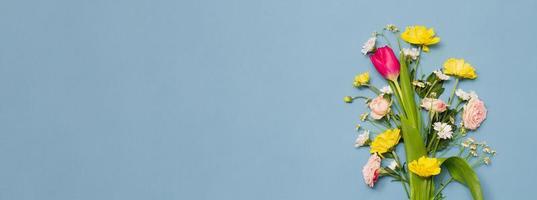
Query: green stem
453,91
360,97
385,38
401,173
417,62
398,89
373,89
431,88
435,146
443,187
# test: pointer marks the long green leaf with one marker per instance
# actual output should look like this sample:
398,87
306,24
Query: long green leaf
411,125
414,148
464,174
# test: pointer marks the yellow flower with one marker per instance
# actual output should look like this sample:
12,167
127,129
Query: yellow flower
385,141
420,35
459,68
425,167
361,79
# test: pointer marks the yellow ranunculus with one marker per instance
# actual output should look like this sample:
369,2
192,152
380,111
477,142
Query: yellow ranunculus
425,166
385,141
420,35
361,79
459,68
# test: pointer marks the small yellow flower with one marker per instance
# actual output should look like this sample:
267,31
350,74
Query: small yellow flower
420,35
385,141
425,166
459,68
361,79
348,99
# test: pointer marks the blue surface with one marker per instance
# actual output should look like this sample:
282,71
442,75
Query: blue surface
239,99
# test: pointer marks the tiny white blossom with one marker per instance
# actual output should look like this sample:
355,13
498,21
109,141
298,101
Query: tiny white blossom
412,53
362,139
473,95
441,75
466,95
393,165
386,90
392,28
369,46
444,130
462,94
418,84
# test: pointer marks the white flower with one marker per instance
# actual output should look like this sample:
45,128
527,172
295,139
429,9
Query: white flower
369,46
386,90
392,28
412,53
392,165
418,84
443,130
462,94
362,139
473,95
465,95
441,75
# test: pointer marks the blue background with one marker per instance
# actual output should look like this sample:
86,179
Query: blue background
238,99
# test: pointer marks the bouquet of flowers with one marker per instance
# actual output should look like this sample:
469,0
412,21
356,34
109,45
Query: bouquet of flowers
409,110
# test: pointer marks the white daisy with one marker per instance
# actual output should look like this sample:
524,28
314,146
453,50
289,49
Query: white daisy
466,95
473,95
462,94
362,139
412,53
369,46
386,90
392,165
441,75
444,130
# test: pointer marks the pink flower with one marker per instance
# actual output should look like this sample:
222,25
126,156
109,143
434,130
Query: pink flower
386,63
434,105
379,107
474,113
371,170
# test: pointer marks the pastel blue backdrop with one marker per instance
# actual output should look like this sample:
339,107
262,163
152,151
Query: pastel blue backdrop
238,99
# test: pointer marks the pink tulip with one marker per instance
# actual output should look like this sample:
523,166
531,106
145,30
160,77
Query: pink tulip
386,63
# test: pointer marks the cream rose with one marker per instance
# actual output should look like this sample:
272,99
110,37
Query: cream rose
379,107
474,113
371,170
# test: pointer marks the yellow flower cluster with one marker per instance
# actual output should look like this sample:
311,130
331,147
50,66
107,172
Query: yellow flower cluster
385,141
459,68
420,35
425,166
361,79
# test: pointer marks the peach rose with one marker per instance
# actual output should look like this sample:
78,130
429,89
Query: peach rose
474,114
435,105
379,107
371,170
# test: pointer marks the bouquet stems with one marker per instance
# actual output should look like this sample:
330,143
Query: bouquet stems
420,188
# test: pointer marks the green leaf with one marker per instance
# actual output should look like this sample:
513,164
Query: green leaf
411,125
464,174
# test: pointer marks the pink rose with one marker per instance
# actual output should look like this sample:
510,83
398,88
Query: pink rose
371,170
435,105
379,107
474,113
